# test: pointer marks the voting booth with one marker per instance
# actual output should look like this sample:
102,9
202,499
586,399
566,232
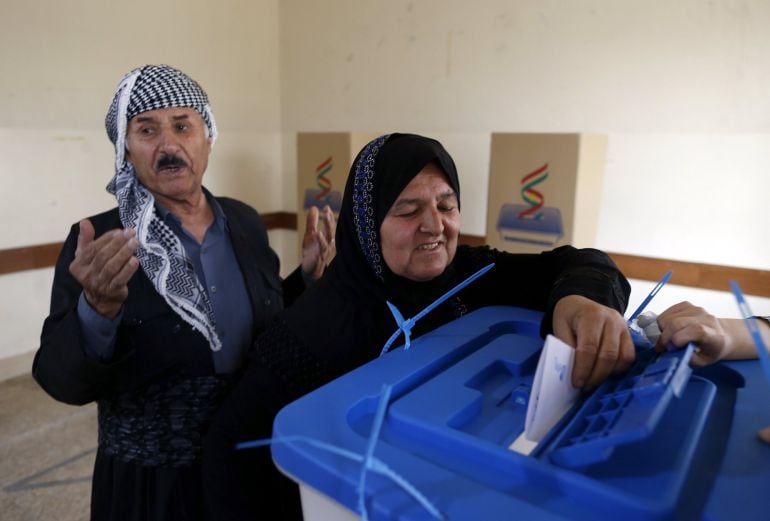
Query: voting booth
323,162
661,442
544,190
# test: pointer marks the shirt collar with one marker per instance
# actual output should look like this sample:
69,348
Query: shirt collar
220,219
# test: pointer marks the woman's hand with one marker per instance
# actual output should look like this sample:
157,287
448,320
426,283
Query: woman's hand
599,335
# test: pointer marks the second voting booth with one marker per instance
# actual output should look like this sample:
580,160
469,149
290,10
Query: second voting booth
323,162
544,190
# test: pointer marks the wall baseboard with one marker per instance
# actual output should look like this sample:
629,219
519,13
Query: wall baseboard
29,257
693,274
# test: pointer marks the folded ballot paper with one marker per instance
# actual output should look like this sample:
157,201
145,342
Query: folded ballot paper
552,393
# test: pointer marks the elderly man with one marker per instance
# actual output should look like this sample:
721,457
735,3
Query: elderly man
155,302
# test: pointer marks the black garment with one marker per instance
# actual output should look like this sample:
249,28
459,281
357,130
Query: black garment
343,321
157,395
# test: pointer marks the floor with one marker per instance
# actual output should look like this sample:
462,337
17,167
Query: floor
47,451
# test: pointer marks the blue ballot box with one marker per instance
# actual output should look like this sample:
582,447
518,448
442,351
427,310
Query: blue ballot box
660,442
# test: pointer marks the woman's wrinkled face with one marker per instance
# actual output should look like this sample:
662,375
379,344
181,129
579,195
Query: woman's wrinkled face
419,233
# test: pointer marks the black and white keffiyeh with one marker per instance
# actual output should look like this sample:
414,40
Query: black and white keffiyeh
160,251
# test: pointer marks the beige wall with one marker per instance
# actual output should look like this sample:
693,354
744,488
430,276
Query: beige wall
682,89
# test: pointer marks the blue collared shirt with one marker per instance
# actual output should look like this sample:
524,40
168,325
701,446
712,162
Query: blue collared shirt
219,273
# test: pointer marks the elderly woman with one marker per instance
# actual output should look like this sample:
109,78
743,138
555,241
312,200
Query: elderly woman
397,242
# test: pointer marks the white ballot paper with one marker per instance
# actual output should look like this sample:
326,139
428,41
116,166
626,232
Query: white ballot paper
552,393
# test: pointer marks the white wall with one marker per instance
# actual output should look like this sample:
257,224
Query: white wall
681,88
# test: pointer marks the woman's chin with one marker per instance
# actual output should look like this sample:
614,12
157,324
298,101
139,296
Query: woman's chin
426,273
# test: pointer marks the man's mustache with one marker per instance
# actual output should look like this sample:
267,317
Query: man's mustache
170,162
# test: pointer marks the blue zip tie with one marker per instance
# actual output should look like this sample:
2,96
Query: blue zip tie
406,325
649,297
373,464
403,325
751,323
373,437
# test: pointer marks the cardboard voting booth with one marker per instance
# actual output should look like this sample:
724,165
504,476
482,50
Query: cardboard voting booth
661,442
544,190
323,162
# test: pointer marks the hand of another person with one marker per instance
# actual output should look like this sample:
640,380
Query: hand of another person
599,335
716,338
318,244
104,266
684,322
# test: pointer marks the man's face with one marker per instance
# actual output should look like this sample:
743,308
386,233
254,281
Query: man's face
170,151
419,233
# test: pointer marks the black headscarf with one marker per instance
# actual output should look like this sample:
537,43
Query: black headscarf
348,303
379,174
